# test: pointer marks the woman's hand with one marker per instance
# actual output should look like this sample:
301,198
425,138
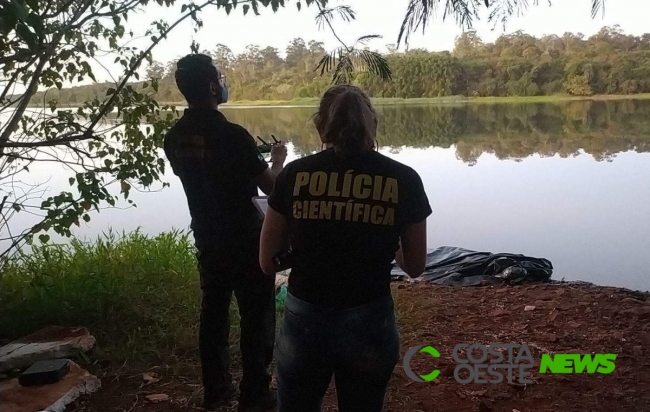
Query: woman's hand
412,254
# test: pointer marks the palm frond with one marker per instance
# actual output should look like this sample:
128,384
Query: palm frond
463,11
344,63
365,39
502,10
329,61
372,62
596,6
326,15
344,70
346,13
345,60
420,12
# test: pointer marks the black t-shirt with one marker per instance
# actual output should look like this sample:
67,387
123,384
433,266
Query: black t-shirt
345,219
216,161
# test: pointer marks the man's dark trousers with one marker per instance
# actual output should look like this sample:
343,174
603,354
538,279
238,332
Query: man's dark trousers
224,271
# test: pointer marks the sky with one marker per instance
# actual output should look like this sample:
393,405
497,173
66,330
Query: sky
381,17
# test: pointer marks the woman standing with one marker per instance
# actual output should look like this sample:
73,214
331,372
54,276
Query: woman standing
348,212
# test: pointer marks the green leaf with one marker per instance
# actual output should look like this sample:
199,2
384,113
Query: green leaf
110,91
71,180
246,8
16,207
23,32
36,23
44,238
33,4
299,5
9,19
21,9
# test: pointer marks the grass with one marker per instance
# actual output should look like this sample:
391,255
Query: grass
138,295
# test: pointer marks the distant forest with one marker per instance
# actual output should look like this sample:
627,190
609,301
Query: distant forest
517,64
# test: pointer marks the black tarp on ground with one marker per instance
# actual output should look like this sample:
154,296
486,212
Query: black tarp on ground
456,266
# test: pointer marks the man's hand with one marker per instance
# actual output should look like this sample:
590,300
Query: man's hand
278,155
266,180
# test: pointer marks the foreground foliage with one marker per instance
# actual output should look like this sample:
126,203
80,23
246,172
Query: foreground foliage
136,294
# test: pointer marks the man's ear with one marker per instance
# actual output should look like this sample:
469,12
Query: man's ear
215,89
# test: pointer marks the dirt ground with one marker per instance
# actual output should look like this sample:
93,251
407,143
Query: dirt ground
567,318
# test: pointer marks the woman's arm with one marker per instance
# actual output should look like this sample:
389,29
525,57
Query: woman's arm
273,238
412,254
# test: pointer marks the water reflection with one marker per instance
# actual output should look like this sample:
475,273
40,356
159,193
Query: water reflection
588,214
509,131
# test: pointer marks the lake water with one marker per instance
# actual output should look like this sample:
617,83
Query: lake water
569,182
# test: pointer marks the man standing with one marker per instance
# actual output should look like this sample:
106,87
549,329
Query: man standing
221,168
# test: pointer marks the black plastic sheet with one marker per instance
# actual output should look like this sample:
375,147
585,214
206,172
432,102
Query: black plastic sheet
456,266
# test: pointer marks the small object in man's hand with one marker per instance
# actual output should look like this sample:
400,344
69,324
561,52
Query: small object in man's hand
265,147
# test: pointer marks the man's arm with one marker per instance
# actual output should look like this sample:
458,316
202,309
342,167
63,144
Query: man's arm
266,179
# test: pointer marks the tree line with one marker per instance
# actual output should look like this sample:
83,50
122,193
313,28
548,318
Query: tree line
517,64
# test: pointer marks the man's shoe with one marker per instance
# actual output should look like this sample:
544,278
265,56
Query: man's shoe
263,404
212,400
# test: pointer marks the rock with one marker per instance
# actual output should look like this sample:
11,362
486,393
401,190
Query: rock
632,300
448,371
157,398
150,377
499,312
51,398
51,342
485,406
643,312
529,308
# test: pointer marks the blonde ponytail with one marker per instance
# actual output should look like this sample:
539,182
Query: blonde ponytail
347,120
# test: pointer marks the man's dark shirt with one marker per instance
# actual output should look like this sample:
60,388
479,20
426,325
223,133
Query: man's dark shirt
345,220
216,161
